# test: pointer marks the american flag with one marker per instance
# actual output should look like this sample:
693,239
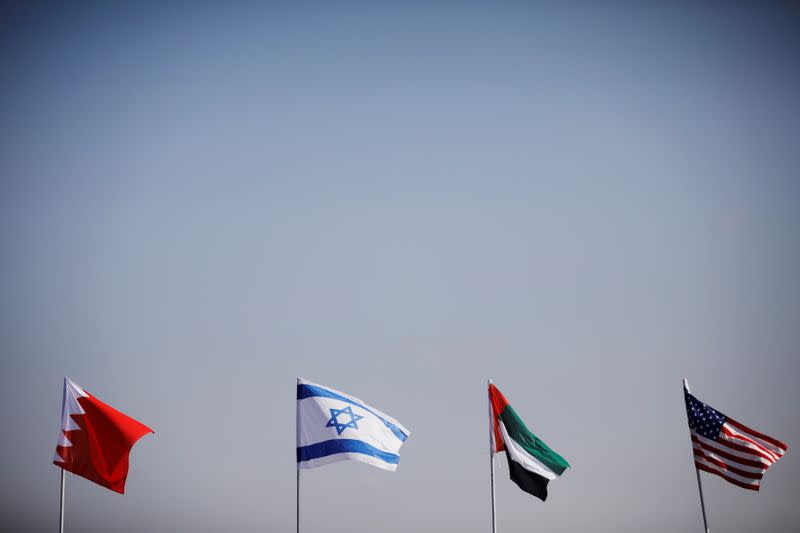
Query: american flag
727,448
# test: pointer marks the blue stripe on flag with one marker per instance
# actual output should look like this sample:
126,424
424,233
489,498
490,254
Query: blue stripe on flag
309,391
334,446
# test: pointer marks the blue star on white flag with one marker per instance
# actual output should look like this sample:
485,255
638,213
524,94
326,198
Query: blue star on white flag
341,426
334,426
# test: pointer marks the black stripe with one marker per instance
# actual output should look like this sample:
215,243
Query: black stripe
528,481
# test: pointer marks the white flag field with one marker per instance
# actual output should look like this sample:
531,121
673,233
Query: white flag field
334,426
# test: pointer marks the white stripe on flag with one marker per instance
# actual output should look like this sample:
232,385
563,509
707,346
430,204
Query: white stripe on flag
720,446
523,458
749,440
728,473
746,468
754,452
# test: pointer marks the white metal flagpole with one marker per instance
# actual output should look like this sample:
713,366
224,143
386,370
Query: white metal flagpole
491,456
63,473
61,507
297,431
298,499
699,482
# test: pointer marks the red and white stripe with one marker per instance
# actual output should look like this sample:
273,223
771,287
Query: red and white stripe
739,455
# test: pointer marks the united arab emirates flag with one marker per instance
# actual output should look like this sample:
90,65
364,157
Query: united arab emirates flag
531,462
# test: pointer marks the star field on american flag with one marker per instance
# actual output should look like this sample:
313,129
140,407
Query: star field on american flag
705,420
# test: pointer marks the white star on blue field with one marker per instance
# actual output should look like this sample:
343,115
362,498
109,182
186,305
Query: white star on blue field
340,427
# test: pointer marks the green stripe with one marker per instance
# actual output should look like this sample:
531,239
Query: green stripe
530,442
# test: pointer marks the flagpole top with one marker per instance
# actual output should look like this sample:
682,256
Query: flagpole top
686,385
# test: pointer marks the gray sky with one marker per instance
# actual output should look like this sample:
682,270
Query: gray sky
199,203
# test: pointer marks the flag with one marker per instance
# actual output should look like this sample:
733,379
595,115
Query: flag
728,449
333,426
531,463
95,439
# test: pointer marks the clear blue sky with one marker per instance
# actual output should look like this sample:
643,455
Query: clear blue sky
201,201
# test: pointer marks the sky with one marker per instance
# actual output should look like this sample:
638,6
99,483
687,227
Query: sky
585,202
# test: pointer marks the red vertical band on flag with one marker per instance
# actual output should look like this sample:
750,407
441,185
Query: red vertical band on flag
499,404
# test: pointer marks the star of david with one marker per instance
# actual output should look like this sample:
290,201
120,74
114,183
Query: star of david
340,427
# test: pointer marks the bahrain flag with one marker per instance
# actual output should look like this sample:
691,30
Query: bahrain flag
95,439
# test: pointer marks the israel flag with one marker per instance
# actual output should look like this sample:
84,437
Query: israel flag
333,426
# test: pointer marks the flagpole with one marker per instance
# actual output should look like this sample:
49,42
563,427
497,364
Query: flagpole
63,473
491,457
297,431
697,472
61,506
298,499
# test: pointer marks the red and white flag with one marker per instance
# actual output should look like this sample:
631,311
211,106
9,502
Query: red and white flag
728,449
95,439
